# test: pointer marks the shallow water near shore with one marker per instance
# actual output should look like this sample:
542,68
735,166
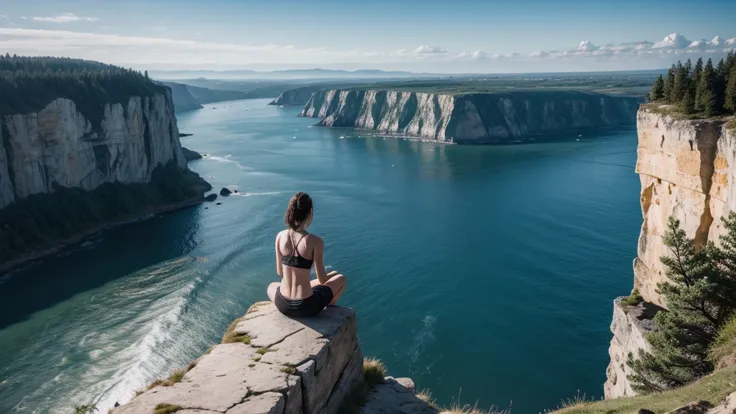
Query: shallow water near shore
484,273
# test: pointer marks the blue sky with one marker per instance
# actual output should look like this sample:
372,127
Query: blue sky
427,35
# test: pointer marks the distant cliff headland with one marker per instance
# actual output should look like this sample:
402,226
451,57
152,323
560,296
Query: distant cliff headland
468,116
84,145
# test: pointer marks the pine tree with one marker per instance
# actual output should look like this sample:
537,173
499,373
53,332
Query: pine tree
701,297
680,342
680,85
687,105
669,85
657,92
697,71
730,100
706,90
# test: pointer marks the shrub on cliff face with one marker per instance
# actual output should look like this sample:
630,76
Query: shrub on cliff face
700,296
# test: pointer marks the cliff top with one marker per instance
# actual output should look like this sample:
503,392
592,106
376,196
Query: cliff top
267,363
675,112
29,84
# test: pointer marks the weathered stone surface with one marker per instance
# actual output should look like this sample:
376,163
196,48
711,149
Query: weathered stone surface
391,397
407,383
629,328
261,376
59,146
197,412
268,403
686,168
473,118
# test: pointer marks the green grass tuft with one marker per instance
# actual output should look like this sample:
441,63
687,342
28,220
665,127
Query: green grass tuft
576,400
632,300
166,408
723,351
85,409
426,396
262,351
257,359
373,371
288,369
175,377
231,337
731,124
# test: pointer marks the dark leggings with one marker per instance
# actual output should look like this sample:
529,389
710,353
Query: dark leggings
301,308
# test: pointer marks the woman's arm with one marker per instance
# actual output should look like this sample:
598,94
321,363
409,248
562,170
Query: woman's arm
319,261
278,256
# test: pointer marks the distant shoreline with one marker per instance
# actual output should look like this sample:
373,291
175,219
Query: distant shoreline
61,245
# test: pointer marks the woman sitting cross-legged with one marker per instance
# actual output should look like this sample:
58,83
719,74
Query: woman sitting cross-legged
296,252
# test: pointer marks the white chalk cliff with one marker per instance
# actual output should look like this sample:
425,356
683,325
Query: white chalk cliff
687,170
58,145
470,118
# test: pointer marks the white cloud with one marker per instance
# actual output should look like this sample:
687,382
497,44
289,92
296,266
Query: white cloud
64,18
672,41
428,50
165,52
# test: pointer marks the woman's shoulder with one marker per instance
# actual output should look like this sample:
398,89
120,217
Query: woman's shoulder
315,239
280,234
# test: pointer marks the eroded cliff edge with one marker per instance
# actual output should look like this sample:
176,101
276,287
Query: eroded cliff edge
62,164
474,118
687,170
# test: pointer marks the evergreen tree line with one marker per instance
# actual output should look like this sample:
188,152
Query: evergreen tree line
700,294
701,89
28,84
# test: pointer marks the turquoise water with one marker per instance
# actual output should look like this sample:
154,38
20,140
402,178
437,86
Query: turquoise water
484,273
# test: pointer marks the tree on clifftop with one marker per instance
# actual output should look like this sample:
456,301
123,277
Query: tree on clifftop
681,83
669,85
687,105
730,98
657,92
700,294
706,90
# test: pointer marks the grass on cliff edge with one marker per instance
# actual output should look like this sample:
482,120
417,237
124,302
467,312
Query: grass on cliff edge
713,388
373,373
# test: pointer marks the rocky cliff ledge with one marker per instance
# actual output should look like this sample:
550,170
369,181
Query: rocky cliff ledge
470,118
687,170
273,364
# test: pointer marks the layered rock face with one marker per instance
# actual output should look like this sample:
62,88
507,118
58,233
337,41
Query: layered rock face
687,170
58,146
470,118
629,326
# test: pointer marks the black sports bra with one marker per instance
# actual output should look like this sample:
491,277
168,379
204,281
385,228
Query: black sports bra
295,259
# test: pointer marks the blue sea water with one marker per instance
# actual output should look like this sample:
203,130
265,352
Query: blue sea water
486,274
